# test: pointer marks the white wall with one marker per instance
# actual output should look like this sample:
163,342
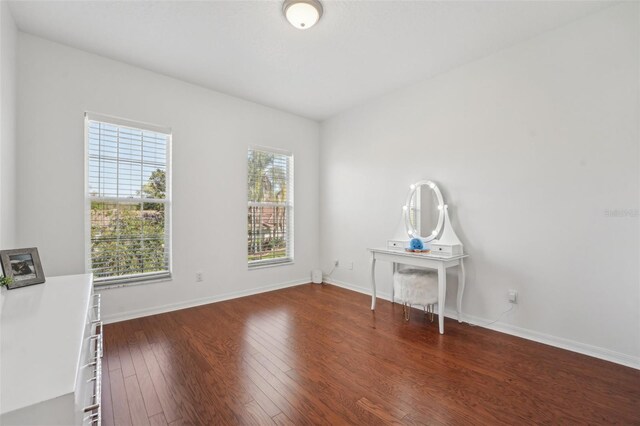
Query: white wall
211,134
8,40
531,147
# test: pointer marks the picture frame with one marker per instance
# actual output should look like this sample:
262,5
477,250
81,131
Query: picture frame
23,266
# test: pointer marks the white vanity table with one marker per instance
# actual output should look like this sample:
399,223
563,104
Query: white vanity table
439,263
51,338
426,218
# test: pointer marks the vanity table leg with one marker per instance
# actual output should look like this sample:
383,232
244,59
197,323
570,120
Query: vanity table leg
461,282
373,282
393,287
442,293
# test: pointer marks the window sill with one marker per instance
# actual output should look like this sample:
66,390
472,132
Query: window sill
269,265
109,286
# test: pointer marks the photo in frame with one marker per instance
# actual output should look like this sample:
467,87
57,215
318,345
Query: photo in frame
22,266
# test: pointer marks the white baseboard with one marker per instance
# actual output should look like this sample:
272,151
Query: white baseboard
548,339
502,327
138,313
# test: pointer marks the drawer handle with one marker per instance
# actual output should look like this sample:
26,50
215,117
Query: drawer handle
95,418
92,408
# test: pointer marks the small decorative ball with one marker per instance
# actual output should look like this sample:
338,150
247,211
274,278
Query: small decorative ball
416,244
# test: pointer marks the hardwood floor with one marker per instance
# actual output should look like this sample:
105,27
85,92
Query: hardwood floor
317,355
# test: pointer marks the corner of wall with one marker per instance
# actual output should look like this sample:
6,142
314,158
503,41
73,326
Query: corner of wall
8,142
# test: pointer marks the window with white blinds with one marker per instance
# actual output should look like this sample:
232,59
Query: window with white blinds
270,209
129,200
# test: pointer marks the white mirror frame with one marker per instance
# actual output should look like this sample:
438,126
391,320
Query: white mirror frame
413,233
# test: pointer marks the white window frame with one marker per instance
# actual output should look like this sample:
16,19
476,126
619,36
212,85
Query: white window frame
287,260
138,278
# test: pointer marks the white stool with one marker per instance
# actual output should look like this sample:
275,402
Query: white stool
416,287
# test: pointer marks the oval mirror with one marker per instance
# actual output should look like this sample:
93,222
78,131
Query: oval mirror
423,211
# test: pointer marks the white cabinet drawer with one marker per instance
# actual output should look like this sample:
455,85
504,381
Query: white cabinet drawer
51,347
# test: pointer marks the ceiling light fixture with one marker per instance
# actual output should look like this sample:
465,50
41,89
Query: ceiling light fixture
302,14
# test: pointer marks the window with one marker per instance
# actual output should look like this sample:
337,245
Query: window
129,200
270,212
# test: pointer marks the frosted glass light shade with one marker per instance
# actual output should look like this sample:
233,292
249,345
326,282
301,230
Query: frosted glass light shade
302,14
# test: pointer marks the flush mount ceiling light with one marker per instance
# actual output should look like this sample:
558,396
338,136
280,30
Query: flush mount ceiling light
302,14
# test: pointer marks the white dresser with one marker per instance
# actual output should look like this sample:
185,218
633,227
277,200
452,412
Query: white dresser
50,354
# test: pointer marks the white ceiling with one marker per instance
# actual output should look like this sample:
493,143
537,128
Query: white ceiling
359,50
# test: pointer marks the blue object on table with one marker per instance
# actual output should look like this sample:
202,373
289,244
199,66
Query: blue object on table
416,244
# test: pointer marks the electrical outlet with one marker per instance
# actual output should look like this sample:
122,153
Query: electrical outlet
198,277
336,263
513,296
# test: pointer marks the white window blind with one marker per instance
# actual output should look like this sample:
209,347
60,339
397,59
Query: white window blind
128,192
270,210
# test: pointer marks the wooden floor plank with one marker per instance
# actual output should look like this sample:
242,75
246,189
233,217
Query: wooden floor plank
139,416
282,420
149,395
123,351
253,414
110,349
312,408
137,358
107,404
317,354
121,413
278,400
389,417
261,398
162,389
158,420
